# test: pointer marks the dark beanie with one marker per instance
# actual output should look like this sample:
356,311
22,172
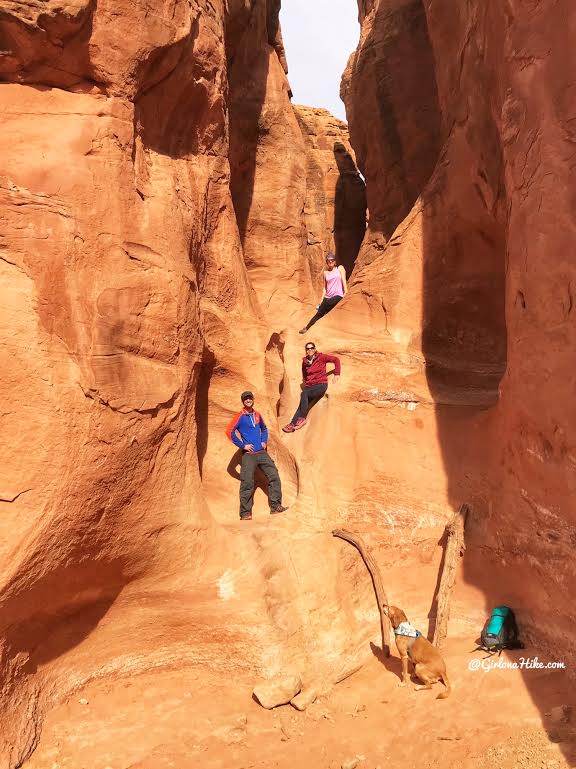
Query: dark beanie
246,394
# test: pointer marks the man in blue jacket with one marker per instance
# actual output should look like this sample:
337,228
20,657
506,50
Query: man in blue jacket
248,431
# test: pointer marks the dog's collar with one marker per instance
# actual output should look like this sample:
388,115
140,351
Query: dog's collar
406,629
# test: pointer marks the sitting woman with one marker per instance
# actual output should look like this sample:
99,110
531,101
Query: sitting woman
314,383
334,290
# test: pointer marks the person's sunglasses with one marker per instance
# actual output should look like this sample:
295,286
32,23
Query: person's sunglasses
310,348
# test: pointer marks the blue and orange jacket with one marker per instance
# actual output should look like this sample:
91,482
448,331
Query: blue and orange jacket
248,427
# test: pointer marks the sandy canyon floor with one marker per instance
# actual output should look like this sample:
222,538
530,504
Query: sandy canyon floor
166,212
184,719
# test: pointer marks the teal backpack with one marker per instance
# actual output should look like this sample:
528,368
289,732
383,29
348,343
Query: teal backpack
500,631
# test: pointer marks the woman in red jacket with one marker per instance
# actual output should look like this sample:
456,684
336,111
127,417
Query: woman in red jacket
315,381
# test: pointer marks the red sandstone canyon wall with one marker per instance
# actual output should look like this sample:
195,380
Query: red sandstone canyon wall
154,179
335,206
165,212
472,108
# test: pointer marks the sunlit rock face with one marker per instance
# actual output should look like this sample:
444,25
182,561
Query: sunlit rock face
166,212
157,196
335,206
471,202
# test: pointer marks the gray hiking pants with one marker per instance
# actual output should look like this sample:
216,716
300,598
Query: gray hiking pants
265,462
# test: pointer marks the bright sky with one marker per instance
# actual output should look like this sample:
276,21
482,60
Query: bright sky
319,36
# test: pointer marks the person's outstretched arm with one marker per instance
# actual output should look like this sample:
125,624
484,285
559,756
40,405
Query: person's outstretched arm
344,283
336,361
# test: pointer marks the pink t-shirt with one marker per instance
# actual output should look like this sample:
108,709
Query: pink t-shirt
334,286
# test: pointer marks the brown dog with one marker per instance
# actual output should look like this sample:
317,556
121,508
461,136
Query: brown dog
428,663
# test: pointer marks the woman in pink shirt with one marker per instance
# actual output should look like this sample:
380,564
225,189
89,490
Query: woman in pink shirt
334,290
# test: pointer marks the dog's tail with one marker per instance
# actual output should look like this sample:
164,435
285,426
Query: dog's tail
446,682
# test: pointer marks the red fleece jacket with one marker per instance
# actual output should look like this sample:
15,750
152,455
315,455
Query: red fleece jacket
315,373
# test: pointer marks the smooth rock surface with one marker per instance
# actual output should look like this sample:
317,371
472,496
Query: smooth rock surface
304,699
153,195
471,207
165,212
278,691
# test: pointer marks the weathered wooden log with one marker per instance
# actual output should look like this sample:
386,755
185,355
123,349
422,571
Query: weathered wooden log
455,548
374,571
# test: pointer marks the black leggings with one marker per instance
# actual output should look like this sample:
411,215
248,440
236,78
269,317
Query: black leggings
310,396
325,306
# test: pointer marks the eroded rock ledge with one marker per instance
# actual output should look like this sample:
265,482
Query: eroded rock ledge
165,215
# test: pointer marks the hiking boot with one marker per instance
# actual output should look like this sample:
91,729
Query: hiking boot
277,509
300,423
303,330
245,516
289,428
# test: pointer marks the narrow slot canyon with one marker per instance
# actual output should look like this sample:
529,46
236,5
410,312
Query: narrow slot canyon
167,207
